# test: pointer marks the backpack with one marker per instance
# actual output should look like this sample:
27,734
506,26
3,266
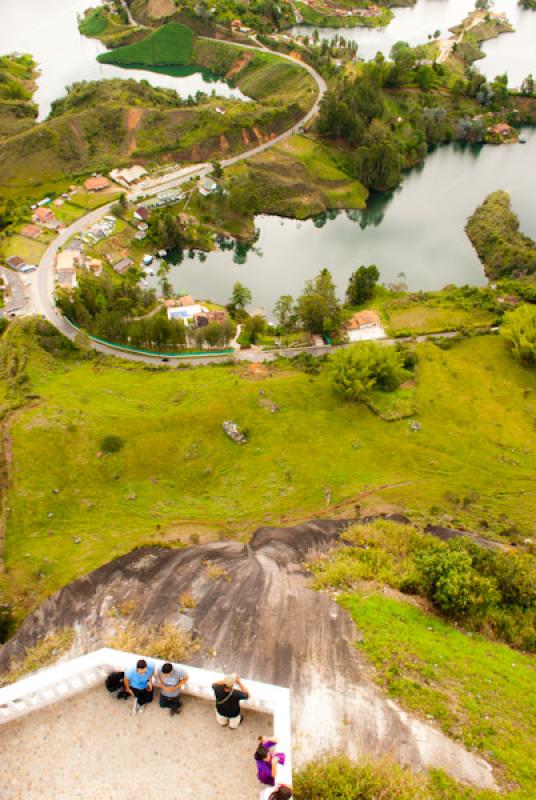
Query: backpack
114,681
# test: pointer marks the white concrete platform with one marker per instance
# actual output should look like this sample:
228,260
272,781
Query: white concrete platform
91,747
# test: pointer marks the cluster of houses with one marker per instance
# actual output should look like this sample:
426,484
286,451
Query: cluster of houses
69,261
193,314
237,26
130,176
369,11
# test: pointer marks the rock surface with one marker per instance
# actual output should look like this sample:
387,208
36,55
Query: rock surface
260,619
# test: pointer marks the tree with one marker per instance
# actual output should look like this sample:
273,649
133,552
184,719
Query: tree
253,328
164,230
217,169
240,297
519,330
318,308
284,312
361,285
527,86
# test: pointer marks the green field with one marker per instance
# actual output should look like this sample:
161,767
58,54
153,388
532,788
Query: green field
470,461
477,691
169,45
30,250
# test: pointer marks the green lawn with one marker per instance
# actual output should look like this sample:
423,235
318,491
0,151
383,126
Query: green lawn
473,458
31,250
420,319
90,200
480,692
168,45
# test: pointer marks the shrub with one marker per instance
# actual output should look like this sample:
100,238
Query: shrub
519,330
111,444
42,654
160,641
453,585
358,370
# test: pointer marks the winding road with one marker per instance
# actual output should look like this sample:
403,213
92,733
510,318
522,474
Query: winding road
43,286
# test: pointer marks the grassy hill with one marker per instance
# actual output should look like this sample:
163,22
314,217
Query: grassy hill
263,76
471,463
17,85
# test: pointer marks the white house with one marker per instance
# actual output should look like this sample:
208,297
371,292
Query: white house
186,313
365,325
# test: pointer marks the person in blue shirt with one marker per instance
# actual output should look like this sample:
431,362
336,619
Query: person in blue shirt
139,683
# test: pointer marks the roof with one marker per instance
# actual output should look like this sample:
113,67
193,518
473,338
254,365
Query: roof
186,300
67,260
44,214
31,230
129,175
15,262
500,127
123,265
66,278
142,212
96,183
362,318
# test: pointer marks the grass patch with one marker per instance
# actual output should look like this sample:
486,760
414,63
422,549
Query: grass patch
477,437
94,22
165,641
477,691
337,778
30,250
169,45
90,200
46,652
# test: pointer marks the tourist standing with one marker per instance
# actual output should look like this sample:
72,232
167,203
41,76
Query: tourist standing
228,700
139,683
170,680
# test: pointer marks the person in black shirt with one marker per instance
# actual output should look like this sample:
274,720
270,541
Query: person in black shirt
228,700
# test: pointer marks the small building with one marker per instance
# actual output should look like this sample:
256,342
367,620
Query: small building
128,176
66,278
364,325
142,214
140,236
98,183
186,300
16,263
256,311
45,216
123,265
207,186
205,318
94,265
501,129
31,231
185,313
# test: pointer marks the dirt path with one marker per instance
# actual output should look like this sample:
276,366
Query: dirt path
135,116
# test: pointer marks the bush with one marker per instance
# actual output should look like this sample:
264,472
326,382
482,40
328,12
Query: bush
358,370
159,641
111,444
519,330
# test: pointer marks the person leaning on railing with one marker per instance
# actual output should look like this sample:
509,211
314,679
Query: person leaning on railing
228,700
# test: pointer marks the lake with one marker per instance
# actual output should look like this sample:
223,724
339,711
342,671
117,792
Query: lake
48,30
417,229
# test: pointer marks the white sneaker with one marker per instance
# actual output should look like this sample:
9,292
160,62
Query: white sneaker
141,709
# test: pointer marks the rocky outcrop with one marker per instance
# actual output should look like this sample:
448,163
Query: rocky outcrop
255,614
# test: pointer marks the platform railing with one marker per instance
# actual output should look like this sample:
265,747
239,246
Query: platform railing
56,683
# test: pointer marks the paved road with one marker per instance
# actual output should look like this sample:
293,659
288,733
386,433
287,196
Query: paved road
42,281
15,301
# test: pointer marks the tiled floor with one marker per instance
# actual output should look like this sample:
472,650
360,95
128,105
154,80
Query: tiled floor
91,747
